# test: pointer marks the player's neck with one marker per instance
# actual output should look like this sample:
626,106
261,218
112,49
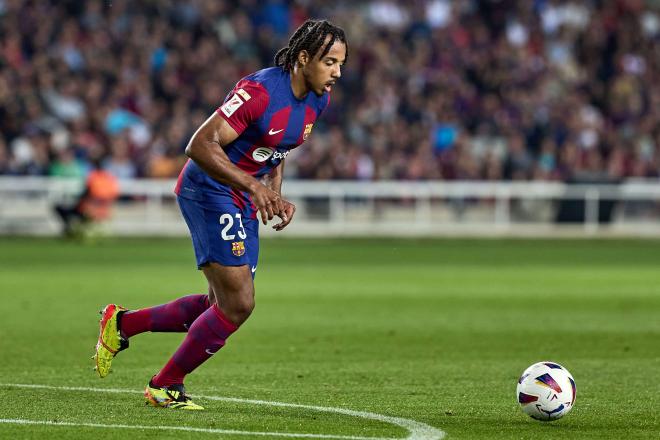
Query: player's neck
298,84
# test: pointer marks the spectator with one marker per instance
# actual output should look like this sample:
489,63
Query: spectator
540,90
66,164
119,163
93,205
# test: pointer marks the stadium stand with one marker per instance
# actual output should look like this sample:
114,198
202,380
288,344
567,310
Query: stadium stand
455,90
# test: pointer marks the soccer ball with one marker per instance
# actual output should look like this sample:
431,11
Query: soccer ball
546,391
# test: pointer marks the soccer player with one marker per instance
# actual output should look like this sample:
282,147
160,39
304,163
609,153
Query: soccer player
234,171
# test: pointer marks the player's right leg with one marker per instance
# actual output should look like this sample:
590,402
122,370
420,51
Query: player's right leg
174,316
118,324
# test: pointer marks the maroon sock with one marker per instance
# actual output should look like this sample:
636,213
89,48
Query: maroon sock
206,336
175,316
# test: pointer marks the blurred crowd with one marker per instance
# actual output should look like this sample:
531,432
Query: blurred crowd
438,89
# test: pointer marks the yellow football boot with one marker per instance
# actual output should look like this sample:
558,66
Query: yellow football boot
173,397
110,341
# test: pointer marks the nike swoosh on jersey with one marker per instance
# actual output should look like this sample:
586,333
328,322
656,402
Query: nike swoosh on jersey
210,352
271,132
254,269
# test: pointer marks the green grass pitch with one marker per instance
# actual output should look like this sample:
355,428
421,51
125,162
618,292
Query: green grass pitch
435,331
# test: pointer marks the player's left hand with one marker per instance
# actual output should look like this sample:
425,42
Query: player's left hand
286,215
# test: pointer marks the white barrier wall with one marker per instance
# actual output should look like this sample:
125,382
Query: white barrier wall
387,208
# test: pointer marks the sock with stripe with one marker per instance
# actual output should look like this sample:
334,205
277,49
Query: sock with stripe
175,316
206,336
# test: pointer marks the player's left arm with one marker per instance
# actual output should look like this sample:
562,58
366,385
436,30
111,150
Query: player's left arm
275,184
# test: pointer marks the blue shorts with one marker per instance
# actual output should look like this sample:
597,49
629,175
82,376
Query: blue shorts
220,234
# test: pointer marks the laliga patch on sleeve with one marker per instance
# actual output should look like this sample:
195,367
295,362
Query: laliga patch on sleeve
245,95
229,107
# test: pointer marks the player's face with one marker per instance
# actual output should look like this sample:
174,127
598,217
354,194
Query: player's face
322,73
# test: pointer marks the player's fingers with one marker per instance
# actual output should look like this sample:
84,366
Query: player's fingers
269,211
278,205
286,214
264,215
290,210
286,217
284,223
281,225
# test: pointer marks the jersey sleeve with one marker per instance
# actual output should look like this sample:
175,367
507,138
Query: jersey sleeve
244,105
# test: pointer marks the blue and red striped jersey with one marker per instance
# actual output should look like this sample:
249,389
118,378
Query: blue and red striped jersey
270,122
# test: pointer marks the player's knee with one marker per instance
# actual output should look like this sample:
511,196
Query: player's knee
242,306
245,306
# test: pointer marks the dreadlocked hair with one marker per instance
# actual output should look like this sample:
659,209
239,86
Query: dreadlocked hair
310,36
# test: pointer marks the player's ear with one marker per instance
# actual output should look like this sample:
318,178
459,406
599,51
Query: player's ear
303,58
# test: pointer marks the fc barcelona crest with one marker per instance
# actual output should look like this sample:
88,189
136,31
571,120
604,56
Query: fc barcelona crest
308,130
238,248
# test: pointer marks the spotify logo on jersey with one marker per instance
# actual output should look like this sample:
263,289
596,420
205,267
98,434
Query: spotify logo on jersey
262,154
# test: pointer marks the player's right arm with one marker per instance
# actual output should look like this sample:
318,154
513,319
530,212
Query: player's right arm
206,150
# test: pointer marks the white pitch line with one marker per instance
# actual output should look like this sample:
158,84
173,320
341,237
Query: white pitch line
417,430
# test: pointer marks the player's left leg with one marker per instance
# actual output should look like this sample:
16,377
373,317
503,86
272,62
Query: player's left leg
227,259
208,333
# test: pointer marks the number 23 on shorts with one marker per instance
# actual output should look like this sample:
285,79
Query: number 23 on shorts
227,223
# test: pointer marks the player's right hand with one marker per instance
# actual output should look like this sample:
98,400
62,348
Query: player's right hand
268,202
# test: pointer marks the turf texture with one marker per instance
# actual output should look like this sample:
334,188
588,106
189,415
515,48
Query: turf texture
435,331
